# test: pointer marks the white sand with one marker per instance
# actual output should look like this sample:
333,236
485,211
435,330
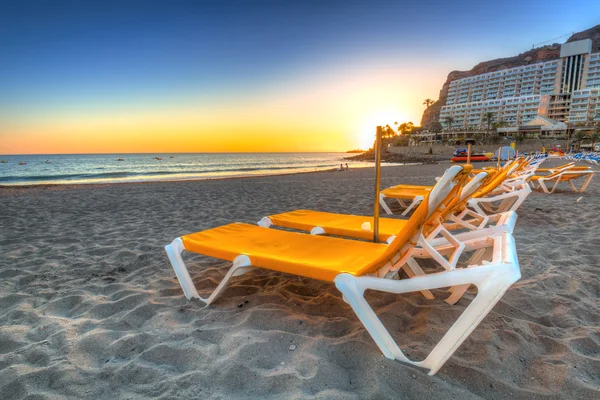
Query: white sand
90,307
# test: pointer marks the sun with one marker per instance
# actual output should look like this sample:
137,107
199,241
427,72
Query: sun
365,134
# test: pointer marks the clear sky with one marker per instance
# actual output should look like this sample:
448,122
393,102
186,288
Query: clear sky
203,76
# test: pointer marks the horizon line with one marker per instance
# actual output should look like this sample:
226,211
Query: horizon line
181,152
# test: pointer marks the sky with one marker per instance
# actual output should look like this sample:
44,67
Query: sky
244,76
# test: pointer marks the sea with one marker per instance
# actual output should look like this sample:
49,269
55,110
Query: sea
114,168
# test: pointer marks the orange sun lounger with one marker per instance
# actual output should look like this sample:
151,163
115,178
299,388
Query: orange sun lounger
567,174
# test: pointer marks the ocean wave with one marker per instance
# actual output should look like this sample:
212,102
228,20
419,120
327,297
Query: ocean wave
107,176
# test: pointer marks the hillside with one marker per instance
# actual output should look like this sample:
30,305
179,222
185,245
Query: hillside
533,56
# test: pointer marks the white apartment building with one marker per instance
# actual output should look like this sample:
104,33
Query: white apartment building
566,90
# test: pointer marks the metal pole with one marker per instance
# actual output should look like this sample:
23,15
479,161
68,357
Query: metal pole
499,156
377,149
469,153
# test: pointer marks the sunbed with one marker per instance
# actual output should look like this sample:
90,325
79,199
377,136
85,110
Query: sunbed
568,174
355,266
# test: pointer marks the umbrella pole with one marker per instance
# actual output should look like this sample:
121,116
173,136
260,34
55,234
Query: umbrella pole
377,184
469,153
499,156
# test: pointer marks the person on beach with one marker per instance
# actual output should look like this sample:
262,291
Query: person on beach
347,168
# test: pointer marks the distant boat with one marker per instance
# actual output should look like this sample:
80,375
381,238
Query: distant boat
120,159
48,162
22,163
158,158
4,161
171,156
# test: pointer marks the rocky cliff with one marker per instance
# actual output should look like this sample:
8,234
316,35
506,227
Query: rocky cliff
540,54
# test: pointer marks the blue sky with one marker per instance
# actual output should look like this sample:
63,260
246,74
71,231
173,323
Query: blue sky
81,58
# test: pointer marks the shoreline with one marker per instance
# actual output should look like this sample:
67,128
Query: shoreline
195,179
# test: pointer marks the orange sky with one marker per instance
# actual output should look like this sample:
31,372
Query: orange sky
330,112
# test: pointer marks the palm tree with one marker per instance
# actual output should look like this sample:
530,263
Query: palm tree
449,121
488,118
428,102
405,127
387,132
580,136
595,137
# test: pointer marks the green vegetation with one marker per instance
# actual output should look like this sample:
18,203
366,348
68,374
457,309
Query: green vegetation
488,118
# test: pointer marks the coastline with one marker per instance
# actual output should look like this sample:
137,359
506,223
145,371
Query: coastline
390,157
213,178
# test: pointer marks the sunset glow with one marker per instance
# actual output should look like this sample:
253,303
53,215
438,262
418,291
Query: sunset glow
76,78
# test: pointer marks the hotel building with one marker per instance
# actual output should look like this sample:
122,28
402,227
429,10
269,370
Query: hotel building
537,98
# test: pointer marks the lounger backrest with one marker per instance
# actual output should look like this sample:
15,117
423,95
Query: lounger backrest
457,203
446,184
474,184
445,190
497,180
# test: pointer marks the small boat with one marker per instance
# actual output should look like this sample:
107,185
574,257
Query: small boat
474,158
171,156
48,162
158,158
22,163
120,159
3,161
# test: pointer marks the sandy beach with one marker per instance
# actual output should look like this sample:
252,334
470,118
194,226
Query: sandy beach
90,306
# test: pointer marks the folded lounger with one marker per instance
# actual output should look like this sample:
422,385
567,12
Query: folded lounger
355,266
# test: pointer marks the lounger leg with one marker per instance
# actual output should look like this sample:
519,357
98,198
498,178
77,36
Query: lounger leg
241,265
542,185
584,186
416,201
383,204
491,280
174,251
555,185
586,183
412,269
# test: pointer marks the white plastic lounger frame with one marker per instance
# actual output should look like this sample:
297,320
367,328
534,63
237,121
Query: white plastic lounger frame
502,223
509,201
241,265
492,280
408,207
557,179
